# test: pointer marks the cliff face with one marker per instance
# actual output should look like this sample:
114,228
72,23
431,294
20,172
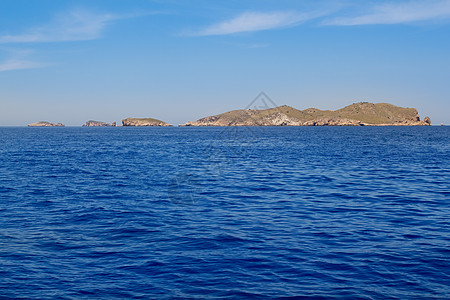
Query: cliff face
358,114
143,122
45,124
97,124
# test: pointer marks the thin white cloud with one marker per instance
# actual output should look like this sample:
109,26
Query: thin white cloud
398,13
18,64
255,21
74,26
19,59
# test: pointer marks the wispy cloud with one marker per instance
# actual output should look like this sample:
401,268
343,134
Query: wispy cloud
18,64
398,12
19,59
73,26
255,21
76,25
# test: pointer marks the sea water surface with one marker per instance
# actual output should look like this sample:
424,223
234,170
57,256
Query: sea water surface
182,213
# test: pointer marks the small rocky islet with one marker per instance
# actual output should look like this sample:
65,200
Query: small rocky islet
45,124
144,122
92,123
357,114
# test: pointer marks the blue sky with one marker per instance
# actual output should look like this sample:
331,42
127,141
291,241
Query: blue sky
72,61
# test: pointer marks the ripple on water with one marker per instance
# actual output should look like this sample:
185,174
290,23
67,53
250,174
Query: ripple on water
183,213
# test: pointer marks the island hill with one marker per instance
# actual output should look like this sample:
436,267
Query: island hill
357,114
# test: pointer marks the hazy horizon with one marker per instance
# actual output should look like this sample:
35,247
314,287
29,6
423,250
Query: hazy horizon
74,61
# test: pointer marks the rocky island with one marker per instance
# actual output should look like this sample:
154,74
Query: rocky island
357,114
143,122
92,123
45,124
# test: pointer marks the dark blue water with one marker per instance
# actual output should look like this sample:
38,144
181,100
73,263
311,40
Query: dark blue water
320,212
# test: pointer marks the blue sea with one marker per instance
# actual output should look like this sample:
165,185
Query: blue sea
225,213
